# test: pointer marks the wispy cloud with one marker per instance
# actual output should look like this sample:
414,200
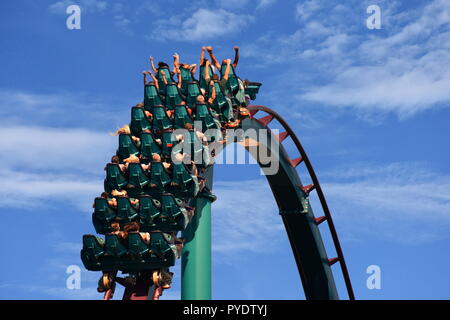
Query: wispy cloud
202,24
401,69
401,202
59,109
89,6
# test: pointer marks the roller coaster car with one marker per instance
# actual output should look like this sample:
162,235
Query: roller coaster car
181,117
167,143
125,210
160,119
139,122
127,147
252,89
203,114
173,96
149,210
112,255
115,179
137,178
103,216
159,177
149,146
151,97
193,91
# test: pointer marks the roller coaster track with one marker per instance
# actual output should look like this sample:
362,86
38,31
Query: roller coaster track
313,264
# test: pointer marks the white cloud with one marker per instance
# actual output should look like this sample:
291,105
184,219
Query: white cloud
55,150
89,6
400,202
304,10
337,62
203,24
29,190
60,109
405,72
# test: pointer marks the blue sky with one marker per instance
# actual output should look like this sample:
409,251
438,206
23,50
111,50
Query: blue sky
370,106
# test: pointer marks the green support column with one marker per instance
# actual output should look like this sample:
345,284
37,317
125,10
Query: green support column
196,258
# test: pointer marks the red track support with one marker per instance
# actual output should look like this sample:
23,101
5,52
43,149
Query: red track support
304,158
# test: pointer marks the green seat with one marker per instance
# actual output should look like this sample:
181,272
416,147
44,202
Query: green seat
92,252
136,246
232,83
151,97
191,145
186,77
161,247
149,146
93,246
253,89
113,246
173,96
115,179
203,114
158,175
159,76
181,117
136,176
127,147
171,211
160,119
125,210
167,143
139,122
148,212
203,83
193,91
222,105
103,216
184,181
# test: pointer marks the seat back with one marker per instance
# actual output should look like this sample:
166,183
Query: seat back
181,175
113,246
126,147
203,114
115,179
136,245
102,216
181,117
160,77
167,143
161,248
193,91
137,176
203,83
173,96
125,210
149,147
160,119
139,121
148,211
158,175
151,97
93,246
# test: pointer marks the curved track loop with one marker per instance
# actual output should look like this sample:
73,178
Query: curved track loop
263,122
